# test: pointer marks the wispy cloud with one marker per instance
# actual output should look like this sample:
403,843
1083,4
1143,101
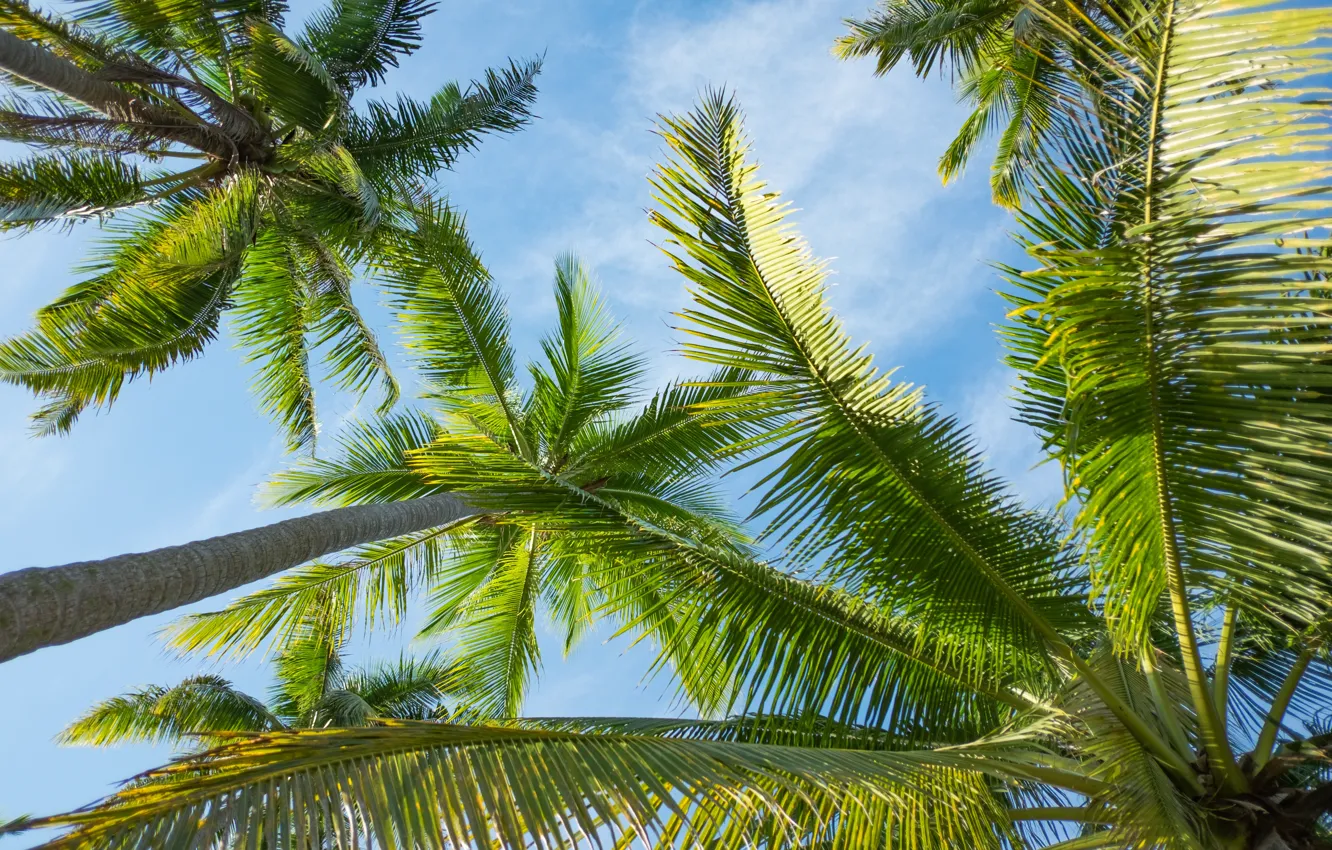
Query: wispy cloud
1012,449
855,152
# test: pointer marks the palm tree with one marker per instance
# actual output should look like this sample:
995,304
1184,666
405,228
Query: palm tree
572,431
911,659
312,689
281,188
528,462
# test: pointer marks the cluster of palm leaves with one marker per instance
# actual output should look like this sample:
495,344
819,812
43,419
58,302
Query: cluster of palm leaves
892,650
237,175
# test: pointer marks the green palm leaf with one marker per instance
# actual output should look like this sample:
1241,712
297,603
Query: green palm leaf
403,142
61,189
588,372
155,301
428,785
198,705
941,541
359,40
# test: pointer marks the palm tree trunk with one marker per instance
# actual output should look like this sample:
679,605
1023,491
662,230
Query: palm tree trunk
41,67
45,606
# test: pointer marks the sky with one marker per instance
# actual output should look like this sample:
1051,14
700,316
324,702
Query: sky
181,457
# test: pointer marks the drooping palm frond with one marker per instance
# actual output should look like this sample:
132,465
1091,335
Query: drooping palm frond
53,189
451,317
433,785
930,34
153,303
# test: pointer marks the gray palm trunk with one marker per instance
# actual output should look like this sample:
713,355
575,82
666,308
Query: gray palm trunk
46,606
41,67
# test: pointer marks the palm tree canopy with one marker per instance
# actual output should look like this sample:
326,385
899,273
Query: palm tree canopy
906,655
285,186
312,688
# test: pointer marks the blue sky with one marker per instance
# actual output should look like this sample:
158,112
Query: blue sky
181,457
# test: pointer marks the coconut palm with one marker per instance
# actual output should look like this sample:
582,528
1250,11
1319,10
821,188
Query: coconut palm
913,657
312,689
573,430
527,462
236,175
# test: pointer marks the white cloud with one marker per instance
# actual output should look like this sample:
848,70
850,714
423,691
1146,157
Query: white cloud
857,154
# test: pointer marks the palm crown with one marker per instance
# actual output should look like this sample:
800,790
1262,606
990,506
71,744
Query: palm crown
534,465
291,186
907,657
312,688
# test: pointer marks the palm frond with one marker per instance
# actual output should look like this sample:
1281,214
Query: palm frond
942,541
495,626
1181,344
154,300
588,374
193,709
359,40
929,34
62,189
413,687
405,142
291,81
431,785
273,307
369,466
675,435
368,588
451,316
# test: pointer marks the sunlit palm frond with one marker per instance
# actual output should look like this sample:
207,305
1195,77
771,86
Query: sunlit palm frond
157,30
452,318
495,625
428,784
1151,810
197,706
588,371
1175,304
152,302
942,540
369,465
672,436
369,587
273,306
308,668
291,80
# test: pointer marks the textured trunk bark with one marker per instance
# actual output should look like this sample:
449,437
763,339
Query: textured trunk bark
45,606
40,66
